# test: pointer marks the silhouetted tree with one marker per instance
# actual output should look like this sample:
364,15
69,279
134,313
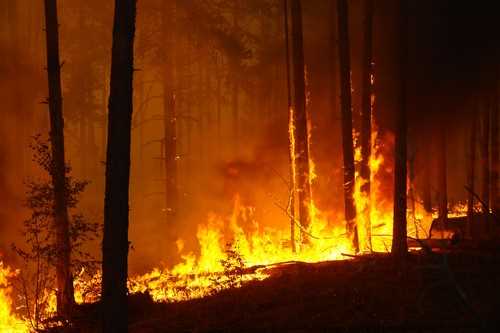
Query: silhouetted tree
471,166
485,162
366,116
426,186
116,202
291,127
495,167
399,243
169,112
442,176
299,116
65,297
346,115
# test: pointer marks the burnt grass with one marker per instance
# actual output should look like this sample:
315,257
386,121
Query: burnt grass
457,290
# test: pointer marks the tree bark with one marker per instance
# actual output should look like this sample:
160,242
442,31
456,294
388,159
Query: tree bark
65,297
443,183
399,241
495,166
291,130
300,117
169,114
426,191
470,176
346,115
485,164
366,118
116,202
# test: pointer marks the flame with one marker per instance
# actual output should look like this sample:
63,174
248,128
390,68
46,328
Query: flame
9,322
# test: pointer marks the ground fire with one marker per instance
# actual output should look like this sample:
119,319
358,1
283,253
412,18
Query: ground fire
249,165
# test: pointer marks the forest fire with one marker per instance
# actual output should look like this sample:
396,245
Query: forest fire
9,322
249,166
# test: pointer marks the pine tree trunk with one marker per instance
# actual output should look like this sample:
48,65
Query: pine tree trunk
495,166
236,69
346,115
169,115
218,97
299,116
65,297
366,119
116,202
443,183
291,131
485,165
399,243
426,191
470,176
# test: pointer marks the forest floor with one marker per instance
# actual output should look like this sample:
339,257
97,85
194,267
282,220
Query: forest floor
457,290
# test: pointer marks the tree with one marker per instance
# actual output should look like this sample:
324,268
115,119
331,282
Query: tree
65,297
346,115
426,186
442,177
495,200
399,243
485,163
291,129
470,175
169,113
366,116
116,202
299,117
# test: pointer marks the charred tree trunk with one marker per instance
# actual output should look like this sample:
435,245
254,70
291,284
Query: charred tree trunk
366,119
470,176
218,97
443,184
426,191
495,167
399,243
291,131
65,297
485,165
346,113
116,202
169,116
236,70
299,116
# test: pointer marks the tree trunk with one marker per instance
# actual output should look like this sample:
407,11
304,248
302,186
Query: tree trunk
399,241
495,166
470,176
366,120
291,131
443,184
236,70
169,115
299,116
346,115
65,297
116,202
218,97
485,164
426,191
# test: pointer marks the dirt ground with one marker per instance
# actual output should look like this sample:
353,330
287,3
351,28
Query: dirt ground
457,290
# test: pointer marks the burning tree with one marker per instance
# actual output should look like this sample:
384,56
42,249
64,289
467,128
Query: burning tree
366,117
399,243
346,115
299,136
